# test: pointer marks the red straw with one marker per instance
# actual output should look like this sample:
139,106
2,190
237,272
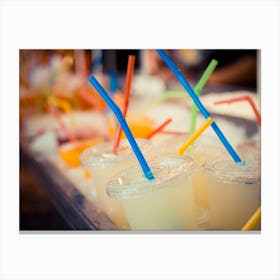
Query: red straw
240,99
89,98
55,114
173,132
159,128
129,74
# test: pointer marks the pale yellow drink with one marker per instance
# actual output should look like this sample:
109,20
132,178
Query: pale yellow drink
103,164
165,203
234,193
205,148
250,150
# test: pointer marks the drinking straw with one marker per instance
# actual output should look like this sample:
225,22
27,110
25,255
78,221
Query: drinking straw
90,99
198,103
246,98
158,129
113,82
97,61
68,133
117,112
252,222
193,137
65,106
172,132
198,88
129,74
158,100
177,94
80,63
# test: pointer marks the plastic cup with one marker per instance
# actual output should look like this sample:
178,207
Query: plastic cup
250,150
165,203
205,148
170,144
234,193
102,164
70,152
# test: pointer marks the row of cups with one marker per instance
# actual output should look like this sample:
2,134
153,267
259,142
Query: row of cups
202,190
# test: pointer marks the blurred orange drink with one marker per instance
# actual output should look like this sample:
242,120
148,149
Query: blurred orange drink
70,152
139,126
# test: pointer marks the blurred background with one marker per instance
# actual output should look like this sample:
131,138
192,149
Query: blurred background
60,78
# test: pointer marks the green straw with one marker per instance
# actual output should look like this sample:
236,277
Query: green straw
182,94
189,90
119,116
198,88
166,95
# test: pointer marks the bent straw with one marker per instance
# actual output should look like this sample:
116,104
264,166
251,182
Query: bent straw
175,94
198,103
246,98
158,100
172,132
252,222
117,112
199,131
198,88
158,129
90,99
65,106
129,74
68,133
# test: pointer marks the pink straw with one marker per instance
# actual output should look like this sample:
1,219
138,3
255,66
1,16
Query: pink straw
69,134
173,132
240,99
158,129
90,99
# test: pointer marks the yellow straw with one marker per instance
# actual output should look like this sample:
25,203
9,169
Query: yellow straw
65,106
197,133
252,222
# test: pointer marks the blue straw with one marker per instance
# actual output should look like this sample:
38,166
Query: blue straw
199,105
113,82
116,110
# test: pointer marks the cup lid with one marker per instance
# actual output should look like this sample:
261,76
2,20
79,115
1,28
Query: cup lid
229,171
132,182
102,154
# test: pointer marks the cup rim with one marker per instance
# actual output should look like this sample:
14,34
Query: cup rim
91,156
236,174
114,189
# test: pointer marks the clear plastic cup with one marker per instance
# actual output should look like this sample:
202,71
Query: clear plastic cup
103,164
165,203
170,145
205,148
234,193
249,150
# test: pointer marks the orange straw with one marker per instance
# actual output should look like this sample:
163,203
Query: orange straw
69,134
129,74
240,99
158,129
